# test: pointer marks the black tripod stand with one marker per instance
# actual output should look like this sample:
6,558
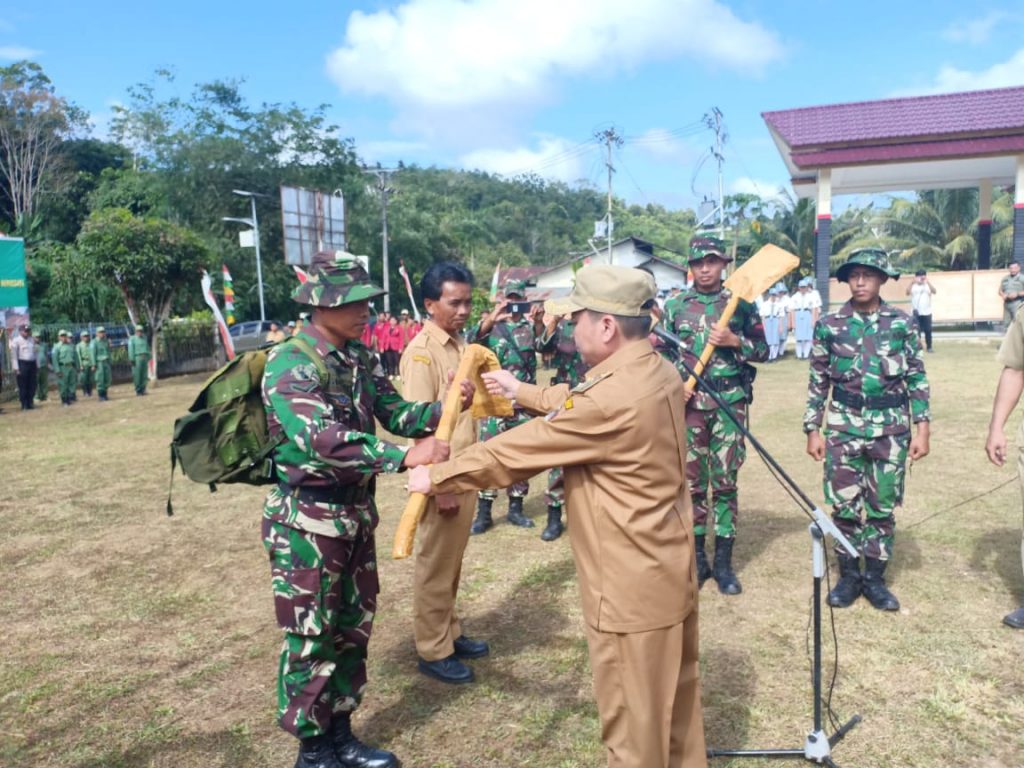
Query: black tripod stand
818,745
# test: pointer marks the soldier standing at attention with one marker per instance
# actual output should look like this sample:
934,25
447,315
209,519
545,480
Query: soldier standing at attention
138,355
319,521
1011,385
869,355
447,291
569,369
513,337
1011,291
621,439
716,449
43,366
100,350
86,367
65,361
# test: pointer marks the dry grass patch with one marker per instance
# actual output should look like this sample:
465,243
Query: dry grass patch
135,640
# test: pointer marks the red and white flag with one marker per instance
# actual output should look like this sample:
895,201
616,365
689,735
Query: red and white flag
300,273
211,302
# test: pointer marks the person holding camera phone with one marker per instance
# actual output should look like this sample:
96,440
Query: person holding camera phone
512,331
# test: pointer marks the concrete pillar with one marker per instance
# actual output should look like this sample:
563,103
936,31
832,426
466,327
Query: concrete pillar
1018,213
823,235
985,224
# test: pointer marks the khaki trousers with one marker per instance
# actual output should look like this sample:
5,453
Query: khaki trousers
648,696
441,544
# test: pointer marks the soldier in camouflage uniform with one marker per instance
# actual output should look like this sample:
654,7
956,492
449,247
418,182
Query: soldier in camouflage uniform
86,368
65,361
514,339
869,355
715,447
569,369
100,349
319,521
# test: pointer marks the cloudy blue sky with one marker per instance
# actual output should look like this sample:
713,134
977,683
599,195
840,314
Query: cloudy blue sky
522,85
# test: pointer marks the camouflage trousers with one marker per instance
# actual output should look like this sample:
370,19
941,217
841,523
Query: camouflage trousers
103,376
555,494
865,475
493,426
715,451
325,598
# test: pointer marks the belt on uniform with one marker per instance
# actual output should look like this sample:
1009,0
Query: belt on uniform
723,383
859,402
346,494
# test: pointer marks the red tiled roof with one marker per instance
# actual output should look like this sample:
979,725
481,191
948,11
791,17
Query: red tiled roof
972,112
911,151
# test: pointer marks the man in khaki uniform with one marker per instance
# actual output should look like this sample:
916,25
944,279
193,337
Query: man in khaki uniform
447,291
621,439
1011,385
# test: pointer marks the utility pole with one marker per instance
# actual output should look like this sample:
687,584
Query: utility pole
713,120
609,137
381,188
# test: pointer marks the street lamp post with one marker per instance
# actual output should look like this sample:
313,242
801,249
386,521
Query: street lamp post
254,224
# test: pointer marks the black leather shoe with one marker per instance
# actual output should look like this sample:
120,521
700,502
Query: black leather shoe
468,648
728,584
848,588
1015,619
554,527
317,752
449,670
352,753
704,571
873,587
483,521
515,513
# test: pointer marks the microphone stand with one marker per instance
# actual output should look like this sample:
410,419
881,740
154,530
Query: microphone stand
818,744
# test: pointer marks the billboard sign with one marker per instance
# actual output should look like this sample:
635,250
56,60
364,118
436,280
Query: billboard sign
312,221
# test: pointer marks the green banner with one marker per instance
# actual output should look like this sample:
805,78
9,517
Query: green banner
13,282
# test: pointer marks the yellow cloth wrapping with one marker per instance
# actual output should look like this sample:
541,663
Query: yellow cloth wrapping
475,360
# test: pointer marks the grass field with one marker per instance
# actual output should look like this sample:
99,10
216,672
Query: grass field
132,639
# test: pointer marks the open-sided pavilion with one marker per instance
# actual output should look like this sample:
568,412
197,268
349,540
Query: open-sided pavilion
948,141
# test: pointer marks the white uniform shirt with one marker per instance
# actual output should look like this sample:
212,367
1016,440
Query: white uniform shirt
921,298
809,300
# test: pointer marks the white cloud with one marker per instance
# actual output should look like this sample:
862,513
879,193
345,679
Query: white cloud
950,79
745,185
17,52
553,158
456,53
975,31
667,145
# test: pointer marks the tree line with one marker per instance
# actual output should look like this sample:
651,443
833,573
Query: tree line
119,227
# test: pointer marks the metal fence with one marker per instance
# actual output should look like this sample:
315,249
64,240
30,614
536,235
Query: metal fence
185,347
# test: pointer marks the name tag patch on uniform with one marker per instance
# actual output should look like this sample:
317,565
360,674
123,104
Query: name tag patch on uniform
566,406
421,359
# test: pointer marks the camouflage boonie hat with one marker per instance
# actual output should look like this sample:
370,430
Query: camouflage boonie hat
875,258
705,245
517,287
336,279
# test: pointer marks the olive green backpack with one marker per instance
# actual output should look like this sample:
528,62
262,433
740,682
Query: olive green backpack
224,437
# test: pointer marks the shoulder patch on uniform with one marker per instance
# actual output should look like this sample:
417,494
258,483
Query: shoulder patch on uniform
421,359
583,386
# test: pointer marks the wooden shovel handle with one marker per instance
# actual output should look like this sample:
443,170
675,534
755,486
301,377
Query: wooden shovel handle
417,503
709,349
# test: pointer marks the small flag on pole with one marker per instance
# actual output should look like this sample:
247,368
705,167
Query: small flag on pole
229,295
408,289
494,282
211,302
300,273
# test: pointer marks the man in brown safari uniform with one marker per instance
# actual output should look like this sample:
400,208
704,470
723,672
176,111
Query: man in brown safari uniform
630,519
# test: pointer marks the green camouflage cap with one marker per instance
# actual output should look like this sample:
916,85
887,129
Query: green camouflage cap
517,287
62,332
875,258
83,333
702,246
336,279
101,329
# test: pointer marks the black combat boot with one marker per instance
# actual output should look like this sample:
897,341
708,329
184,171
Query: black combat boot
482,521
704,571
317,752
874,588
848,588
554,527
352,753
515,513
728,584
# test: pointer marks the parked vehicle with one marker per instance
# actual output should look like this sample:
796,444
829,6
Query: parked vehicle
251,334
